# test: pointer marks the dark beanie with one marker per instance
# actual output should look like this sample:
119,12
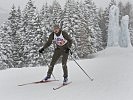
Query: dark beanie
56,26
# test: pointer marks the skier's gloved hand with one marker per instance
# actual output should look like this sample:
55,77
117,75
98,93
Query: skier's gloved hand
41,50
67,50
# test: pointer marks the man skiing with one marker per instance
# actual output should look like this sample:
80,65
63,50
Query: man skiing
63,44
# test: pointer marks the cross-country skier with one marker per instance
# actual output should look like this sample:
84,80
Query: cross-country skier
63,42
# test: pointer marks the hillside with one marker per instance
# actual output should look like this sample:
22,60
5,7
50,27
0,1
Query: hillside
112,72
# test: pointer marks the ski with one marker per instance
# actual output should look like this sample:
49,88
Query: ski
37,82
62,85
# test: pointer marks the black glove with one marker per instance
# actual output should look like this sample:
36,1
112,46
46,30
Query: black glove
67,50
41,50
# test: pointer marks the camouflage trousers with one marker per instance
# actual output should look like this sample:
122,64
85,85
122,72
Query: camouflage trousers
57,54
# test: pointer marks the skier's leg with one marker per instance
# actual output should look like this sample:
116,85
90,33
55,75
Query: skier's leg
55,57
64,64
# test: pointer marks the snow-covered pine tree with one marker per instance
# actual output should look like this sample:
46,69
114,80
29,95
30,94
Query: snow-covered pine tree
112,2
121,7
56,13
131,26
46,19
89,14
81,42
39,34
68,16
131,35
97,31
4,47
30,34
15,37
128,9
19,27
1,50
102,27
99,39
1,53
103,24
19,18
70,21
47,25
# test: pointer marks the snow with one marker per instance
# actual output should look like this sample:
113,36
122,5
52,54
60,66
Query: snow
124,34
111,70
113,28
118,36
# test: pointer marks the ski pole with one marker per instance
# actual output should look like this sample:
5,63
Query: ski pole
48,66
80,67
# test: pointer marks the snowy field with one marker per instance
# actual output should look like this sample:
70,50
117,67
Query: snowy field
112,71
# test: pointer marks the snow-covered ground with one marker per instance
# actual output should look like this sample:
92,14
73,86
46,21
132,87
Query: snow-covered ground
112,71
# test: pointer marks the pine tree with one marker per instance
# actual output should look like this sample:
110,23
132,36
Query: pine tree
121,7
56,13
113,2
46,19
30,34
82,41
127,9
19,29
101,23
131,35
25,32
47,25
19,18
68,17
97,31
90,15
15,37
99,36
70,22
4,47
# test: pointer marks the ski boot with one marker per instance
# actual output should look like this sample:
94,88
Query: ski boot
65,81
46,78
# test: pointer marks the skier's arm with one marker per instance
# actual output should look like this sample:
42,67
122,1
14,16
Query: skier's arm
49,42
68,38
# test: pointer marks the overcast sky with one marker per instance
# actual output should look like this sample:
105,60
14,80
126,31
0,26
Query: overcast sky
7,4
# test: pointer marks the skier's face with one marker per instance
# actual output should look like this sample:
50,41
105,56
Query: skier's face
56,30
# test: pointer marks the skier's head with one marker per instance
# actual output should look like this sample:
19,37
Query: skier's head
56,28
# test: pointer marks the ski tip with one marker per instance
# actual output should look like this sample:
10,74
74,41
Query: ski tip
92,79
